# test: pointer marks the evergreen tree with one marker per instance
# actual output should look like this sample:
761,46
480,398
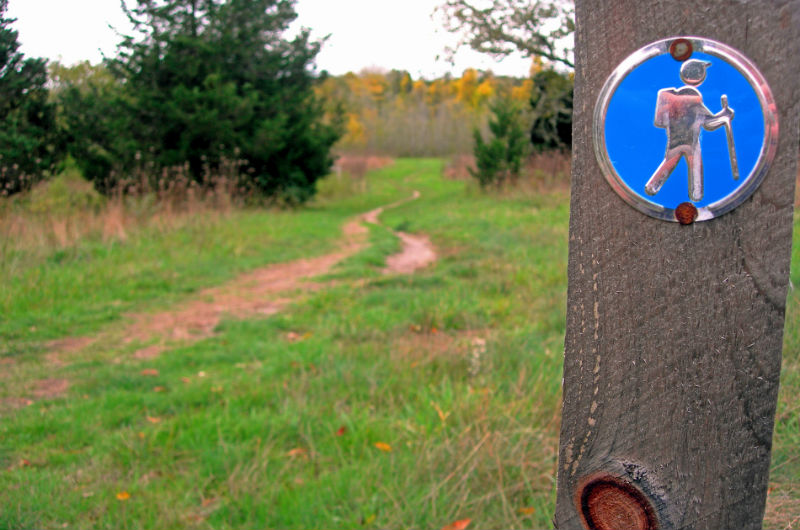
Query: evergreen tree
211,80
28,134
500,159
89,114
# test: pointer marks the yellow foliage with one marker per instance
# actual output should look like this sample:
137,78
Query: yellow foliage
483,93
466,86
522,93
375,85
356,133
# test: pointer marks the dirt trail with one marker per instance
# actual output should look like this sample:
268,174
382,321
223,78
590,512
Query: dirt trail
417,252
264,291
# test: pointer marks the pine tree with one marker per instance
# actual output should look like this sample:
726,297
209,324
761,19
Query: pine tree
28,134
206,81
499,159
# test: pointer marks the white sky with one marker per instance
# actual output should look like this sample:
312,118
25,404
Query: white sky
364,33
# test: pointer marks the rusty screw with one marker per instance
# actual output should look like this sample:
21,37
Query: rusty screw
610,503
681,49
686,213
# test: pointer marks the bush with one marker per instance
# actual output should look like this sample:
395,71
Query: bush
66,193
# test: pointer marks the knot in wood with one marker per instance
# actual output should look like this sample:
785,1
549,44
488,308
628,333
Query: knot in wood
608,503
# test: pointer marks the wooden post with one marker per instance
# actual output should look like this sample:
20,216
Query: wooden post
674,333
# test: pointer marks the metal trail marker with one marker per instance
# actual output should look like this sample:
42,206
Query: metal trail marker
677,293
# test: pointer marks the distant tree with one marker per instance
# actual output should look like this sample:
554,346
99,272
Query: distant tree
499,159
551,102
205,81
502,27
29,142
92,120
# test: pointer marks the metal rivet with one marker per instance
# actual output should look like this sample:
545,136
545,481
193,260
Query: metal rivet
610,503
681,49
686,213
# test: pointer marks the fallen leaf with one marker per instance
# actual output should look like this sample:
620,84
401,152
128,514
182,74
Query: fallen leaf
341,431
185,379
461,524
201,374
368,520
158,389
24,462
297,451
528,510
123,496
149,371
140,434
216,389
208,502
442,415
386,448
153,419
434,331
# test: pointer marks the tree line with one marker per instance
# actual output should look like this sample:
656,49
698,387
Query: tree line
202,84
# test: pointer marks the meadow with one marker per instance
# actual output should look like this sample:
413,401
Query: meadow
359,400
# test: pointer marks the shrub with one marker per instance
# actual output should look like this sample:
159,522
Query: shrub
499,159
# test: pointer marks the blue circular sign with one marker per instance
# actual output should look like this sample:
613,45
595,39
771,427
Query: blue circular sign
685,129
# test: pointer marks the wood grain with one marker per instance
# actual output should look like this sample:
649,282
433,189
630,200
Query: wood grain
674,333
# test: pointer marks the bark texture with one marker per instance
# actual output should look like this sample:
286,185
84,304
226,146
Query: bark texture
674,333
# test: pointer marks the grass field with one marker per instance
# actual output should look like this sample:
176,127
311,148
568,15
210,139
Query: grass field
377,401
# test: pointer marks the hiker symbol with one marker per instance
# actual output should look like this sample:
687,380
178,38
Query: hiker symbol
663,142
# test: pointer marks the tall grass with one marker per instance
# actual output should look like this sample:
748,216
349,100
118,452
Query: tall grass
64,211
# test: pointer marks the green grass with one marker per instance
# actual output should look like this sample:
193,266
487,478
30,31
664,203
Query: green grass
457,368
